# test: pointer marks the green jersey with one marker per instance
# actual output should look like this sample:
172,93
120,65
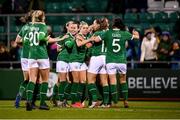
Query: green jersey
99,47
89,50
115,42
64,54
38,41
25,40
78,53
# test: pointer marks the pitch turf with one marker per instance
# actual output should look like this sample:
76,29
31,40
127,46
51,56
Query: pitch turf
137,110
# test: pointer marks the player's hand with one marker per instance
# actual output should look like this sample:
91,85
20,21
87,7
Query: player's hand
94,39
79,37
88,45
59,48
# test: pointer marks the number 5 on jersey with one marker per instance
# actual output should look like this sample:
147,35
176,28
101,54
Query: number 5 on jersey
116,46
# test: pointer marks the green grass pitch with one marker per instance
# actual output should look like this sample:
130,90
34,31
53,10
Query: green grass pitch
137,110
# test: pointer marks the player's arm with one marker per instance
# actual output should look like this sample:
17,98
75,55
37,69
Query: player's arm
96,38
52,40
59,48
80,41
18,39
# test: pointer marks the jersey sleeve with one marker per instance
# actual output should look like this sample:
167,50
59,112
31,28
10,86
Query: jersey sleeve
43,34
105,37
100,34
128,35
60,42
21,32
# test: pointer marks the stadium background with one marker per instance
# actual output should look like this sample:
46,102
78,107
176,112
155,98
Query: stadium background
144,15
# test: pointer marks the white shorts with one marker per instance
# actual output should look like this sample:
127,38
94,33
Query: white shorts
76,66
24,64
62,66
113,68
97,65
39,63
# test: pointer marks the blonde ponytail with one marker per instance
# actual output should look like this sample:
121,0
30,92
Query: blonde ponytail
38,16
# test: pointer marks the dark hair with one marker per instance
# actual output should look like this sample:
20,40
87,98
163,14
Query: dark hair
131,29
118,23
98,21
27,18
76,22
103,23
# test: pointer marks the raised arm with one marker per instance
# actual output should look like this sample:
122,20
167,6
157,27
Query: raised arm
52,40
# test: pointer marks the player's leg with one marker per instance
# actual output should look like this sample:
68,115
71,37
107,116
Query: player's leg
67,89
36,92
92,88
105,85
44,73
22,88
82,86
83,81
75,67
62,69
30,87
23,85
95,66
124,88
61,88
104,82
123,82
111,70
55,96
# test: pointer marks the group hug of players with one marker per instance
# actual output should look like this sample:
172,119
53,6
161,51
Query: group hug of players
104,46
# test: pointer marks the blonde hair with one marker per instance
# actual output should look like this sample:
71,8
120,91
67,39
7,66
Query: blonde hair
82,23
38,16
69,22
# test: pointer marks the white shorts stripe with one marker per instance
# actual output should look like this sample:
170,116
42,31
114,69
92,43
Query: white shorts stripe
76,66
97,65
24,64
113,68
39,63
62,66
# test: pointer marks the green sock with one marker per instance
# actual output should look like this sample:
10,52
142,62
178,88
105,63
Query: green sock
114,96
82,87
124,88
29,91
74,92
22,87
105,94
93,91
43,91
62,85
67,91
36,92
39,90
55,92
